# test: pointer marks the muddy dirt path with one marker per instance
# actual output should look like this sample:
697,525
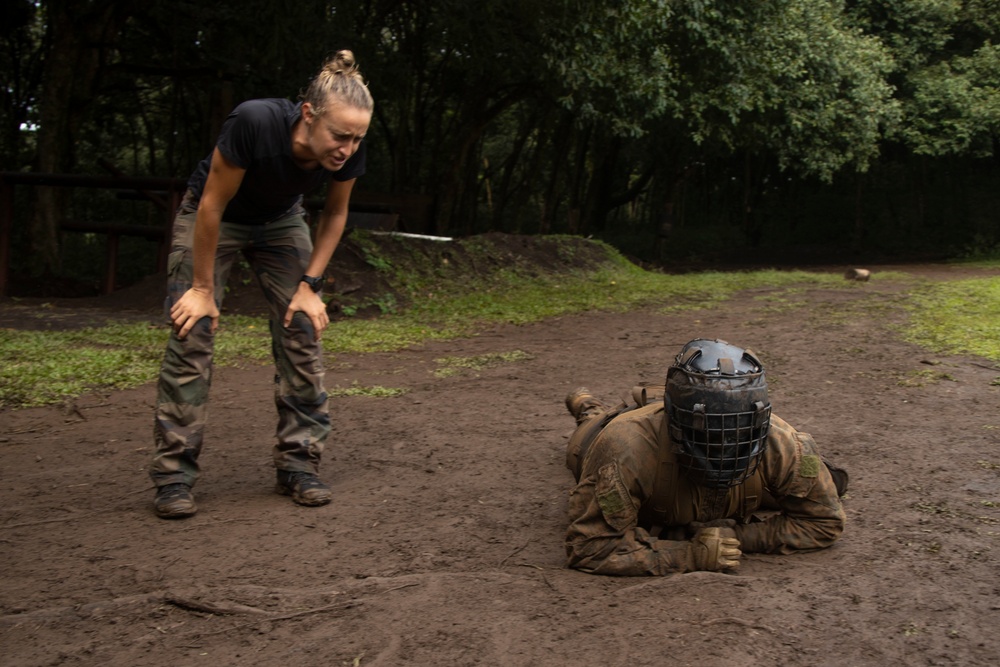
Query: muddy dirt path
444,543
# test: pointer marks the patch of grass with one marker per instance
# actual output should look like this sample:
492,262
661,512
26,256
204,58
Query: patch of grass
454,365
371,253
781,301
934,508
239,339
385,303
37,368
959,317
940,509
445,292
375,391
923,378
44,367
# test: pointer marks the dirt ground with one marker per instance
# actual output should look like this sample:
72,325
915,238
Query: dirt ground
444,543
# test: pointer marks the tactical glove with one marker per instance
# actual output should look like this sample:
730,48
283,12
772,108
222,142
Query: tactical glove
715,549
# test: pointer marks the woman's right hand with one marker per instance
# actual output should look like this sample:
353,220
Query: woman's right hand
193,305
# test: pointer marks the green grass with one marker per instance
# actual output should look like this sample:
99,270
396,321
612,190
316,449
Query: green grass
449,366
39,368
959,317
375,391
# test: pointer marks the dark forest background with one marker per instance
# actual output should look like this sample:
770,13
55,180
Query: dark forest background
683,132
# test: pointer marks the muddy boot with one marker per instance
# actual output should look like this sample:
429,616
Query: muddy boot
174,501
581,404
305,488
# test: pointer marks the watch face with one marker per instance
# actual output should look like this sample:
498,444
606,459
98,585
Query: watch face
315,283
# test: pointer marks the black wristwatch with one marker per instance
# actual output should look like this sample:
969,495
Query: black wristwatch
316,284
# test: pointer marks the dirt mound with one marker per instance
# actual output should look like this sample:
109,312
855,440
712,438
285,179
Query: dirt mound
367,271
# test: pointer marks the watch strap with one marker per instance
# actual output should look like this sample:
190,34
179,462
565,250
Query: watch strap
316,284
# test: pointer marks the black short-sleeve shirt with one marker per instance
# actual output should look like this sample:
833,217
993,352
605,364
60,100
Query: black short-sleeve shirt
257,136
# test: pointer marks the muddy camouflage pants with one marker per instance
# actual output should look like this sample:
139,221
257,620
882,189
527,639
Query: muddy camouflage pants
278,253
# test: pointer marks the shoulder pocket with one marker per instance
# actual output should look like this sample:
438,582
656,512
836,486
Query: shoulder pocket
808,464
614,499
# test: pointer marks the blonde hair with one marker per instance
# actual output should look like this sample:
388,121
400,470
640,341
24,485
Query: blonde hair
341,80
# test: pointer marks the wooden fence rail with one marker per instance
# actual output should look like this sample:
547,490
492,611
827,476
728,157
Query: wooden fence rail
370,210
165,193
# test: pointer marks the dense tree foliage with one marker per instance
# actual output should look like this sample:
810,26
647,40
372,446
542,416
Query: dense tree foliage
749,123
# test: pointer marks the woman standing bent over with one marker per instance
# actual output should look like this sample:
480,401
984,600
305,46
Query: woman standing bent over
247,197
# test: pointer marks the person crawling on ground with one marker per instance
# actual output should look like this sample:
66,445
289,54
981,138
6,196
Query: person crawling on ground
696,480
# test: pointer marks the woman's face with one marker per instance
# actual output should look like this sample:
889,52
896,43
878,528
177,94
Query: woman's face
334,136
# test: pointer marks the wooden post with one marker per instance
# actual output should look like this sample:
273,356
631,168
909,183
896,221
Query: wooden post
111,264
6,229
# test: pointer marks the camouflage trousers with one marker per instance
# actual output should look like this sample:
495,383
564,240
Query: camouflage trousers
278,253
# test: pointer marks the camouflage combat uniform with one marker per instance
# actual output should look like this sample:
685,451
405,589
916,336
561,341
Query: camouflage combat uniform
613,530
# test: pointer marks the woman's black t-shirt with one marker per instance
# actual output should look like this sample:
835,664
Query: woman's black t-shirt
257,136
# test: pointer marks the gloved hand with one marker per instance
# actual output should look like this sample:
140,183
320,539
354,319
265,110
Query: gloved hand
715,549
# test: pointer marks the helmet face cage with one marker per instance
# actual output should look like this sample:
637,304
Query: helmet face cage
719,450
719,413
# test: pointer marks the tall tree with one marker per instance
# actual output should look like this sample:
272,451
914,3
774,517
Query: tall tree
526,115
946,72
80,36
792,81
21,47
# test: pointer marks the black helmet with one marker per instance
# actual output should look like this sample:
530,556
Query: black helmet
718,412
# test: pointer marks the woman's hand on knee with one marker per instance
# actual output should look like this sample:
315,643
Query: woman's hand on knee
193,305
311,305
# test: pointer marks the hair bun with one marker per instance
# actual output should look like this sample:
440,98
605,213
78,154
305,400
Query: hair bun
339,79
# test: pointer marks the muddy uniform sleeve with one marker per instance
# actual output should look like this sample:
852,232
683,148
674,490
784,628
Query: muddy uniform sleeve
603,537
811,515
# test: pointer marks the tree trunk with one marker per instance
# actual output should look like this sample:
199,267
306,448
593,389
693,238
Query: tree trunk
597,199
508,197
576,181
79,35
453,184
859,218
22,52
560,146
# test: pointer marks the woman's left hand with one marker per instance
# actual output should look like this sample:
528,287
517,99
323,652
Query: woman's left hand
308,302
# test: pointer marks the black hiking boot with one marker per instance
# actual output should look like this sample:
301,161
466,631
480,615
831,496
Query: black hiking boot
174,501
305,488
